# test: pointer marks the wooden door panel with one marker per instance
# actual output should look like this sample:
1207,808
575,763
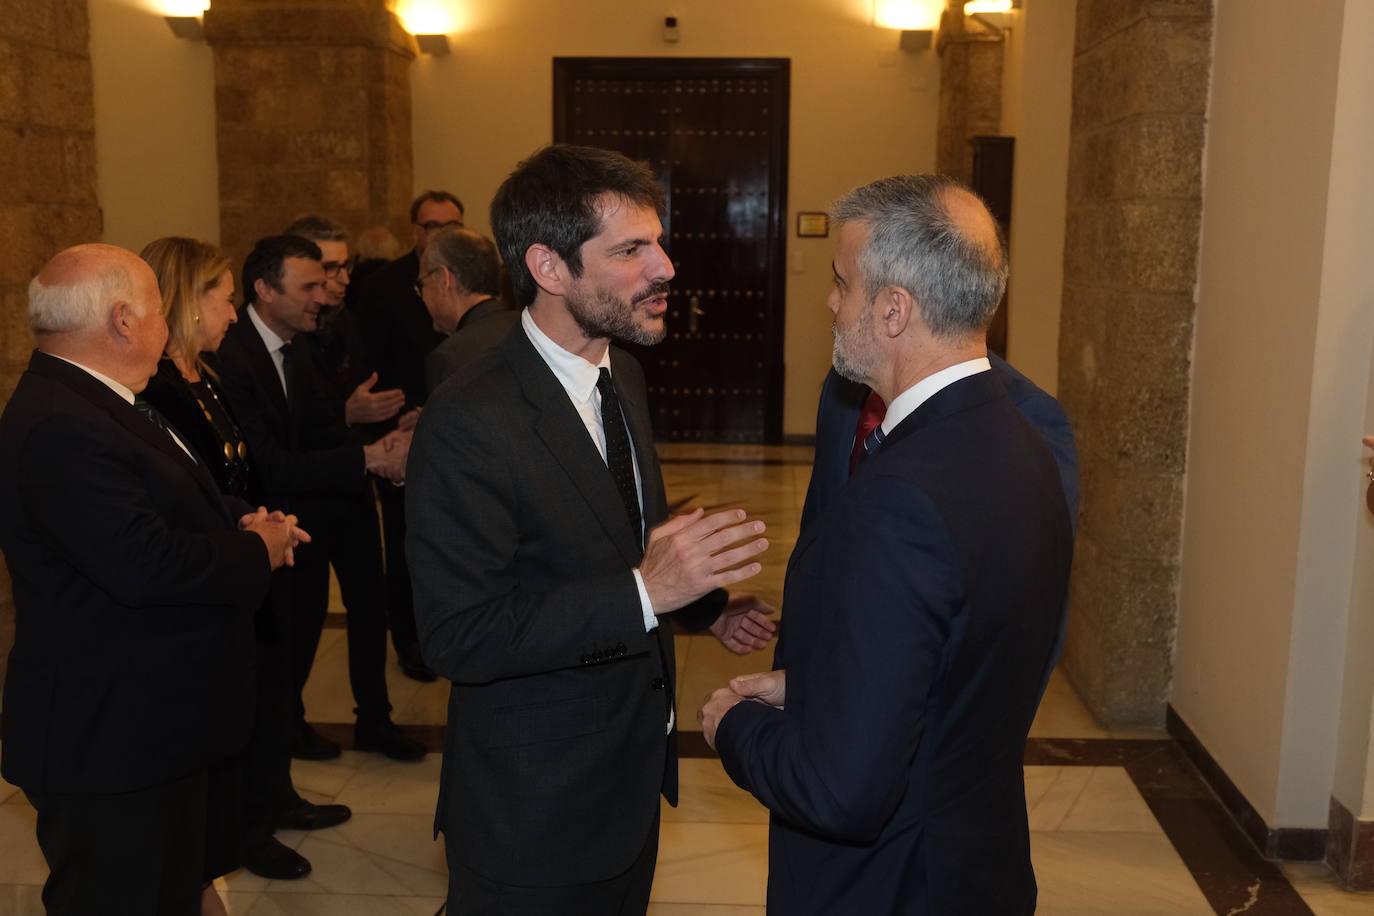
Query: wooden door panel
714,131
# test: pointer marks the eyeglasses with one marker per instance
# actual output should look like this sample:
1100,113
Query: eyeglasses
332,268
435,225
419,284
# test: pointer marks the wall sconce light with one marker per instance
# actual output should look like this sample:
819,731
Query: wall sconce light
188,27
433,44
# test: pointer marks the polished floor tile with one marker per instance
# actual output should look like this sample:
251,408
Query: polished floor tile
1087,873
711,863
1319,889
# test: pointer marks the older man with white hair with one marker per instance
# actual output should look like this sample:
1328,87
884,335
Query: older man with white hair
134,590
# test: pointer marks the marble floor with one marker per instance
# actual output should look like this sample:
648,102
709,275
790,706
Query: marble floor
1120,823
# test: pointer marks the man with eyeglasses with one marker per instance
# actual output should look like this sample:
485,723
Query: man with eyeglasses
399,334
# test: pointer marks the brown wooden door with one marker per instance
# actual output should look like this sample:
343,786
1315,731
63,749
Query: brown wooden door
715,133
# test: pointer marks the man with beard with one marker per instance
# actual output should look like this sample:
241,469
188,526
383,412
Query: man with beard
923,602
542,561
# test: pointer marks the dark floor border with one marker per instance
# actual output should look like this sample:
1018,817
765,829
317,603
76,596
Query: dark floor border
1290,843
1227,867
752,462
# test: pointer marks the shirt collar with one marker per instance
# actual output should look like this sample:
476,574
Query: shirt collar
269,336
577,376
124,391
905,404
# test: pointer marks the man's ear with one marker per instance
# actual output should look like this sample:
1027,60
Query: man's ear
122,318
896,310
547,268
263,291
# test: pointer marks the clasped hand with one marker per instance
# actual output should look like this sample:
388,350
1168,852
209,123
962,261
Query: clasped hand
387,456
767,687
279,532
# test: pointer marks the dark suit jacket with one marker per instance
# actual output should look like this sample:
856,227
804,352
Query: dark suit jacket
134,594
305,453
838,413
396,326
922,605
484,326
520,553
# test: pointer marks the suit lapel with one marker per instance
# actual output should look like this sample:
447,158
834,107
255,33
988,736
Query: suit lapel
565,435
127,416
261,365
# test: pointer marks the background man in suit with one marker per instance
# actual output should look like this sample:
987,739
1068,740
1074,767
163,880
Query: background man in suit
309,458
134,588
460,284
533,489
922,602
400,334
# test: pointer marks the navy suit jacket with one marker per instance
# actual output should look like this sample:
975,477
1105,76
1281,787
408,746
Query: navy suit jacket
923,602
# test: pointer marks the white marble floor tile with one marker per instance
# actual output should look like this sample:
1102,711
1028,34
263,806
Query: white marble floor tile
383,786
1110,801
273,904
403,845
1038,780
326,777
1317,886
711,863
703,909
238,903
339,868
706,795
21,862
1083,873
1057,800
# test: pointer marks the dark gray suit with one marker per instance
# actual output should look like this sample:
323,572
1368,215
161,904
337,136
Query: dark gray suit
482,327
521,555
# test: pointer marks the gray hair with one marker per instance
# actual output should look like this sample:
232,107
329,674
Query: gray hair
82,305
915,243
317,229
469,256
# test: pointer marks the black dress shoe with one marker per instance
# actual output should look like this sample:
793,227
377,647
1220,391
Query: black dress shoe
276,860
383,736
413,665
308,744
305,816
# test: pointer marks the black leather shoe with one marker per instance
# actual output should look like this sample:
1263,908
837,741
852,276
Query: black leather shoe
305,816
276,860
413,665
383,736
308,744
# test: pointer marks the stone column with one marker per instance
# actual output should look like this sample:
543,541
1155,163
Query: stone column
971,54
47,190
1140,82
312,102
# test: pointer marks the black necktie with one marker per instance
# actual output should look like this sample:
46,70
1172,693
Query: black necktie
287,352
156,418
619,457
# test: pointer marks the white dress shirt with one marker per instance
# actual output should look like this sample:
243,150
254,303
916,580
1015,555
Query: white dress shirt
578,378
905,404
274,343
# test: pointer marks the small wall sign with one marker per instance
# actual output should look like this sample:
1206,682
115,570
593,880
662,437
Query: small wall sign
813,225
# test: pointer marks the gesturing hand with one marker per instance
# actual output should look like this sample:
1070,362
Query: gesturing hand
689,555
367,406
744,625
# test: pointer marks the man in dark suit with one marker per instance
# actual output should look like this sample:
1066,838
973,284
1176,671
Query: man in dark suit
923,600
134,589
460,284
533,489
398,331
310,459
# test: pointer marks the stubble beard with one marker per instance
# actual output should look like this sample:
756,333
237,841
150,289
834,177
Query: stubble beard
855,352
605,315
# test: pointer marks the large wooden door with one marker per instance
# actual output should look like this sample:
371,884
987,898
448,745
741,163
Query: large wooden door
715,133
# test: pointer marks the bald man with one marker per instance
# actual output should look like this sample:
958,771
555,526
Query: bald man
923,600
134,591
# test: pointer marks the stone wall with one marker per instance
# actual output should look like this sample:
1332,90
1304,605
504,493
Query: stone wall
971,55
47,175
312,105
1140,84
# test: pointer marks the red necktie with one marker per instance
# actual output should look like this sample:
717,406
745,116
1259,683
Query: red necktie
870,416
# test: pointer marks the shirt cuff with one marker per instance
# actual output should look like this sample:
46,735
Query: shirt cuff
645,605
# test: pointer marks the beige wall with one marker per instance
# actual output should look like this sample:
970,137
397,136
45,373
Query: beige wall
154,125
1037,86
860,110
1283,328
